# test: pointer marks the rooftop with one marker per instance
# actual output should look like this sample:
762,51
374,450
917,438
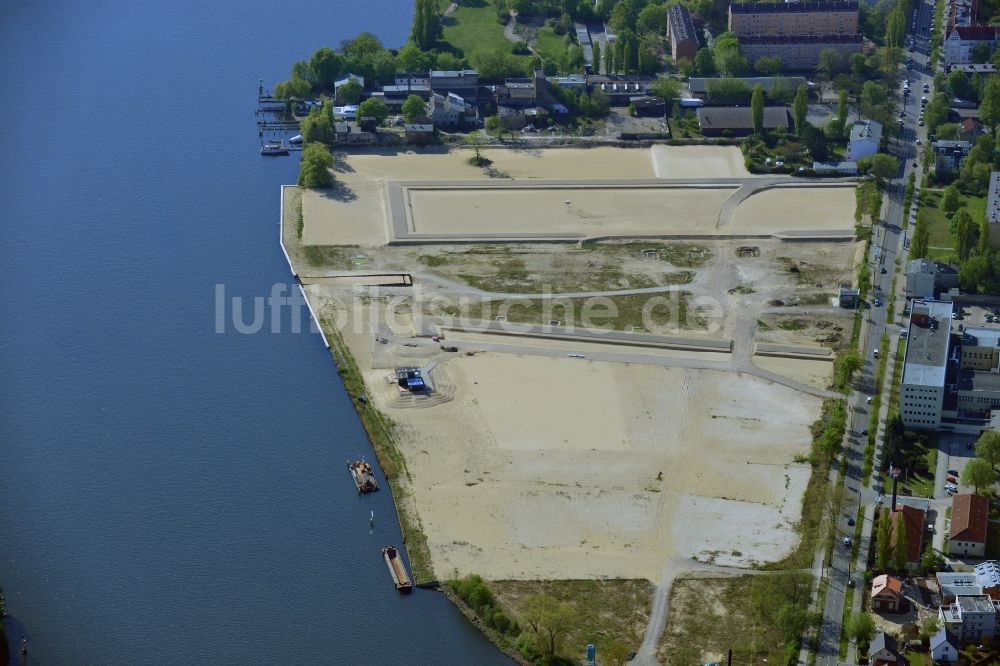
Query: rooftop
981,336
791,7
977,33
926,356
886,583
969,518
914,520
988,573
993,200
955,583
974,603
681,25
738,117
951,145
869,129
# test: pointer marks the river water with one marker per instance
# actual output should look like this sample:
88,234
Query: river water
169,494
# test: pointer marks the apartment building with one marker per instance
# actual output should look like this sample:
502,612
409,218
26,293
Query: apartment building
993,209
793,18
970,618
962,41
683,39
798,52
922,390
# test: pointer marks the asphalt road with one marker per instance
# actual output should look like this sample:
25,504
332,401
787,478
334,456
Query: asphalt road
886,246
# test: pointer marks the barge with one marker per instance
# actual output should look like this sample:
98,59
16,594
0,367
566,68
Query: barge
397,569
363,475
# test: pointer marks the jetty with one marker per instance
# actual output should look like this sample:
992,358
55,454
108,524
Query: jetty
397,569
363,475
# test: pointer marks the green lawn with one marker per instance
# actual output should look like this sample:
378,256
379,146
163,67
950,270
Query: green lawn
942,243
920,464
474,28
548,44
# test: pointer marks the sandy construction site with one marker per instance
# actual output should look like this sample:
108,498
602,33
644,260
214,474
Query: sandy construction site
551,467
562,194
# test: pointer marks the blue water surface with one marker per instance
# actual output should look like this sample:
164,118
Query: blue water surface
168,494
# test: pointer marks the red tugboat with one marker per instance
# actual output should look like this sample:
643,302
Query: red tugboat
363,475
397,570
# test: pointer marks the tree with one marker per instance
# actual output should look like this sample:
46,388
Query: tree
768,65
597,57
757,109
729,61
882,543
800,106
920,242
965,234
984,236
411,59
900,543
958,84
373,108
978,473
653,18
842,111
884,167
666,88
988,447
936,111
317,127
845,366
293,88
414,108
728,91
949,200
609,61
980,53
350,92
549,621
314,169
704,62
974,272
426,24
325,65
831,62
861,626
815,141
989,107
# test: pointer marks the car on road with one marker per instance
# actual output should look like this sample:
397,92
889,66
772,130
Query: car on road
576,355
875,353
916,166
850,522
864,431
869,399
883,271
919,142
847,541
878,302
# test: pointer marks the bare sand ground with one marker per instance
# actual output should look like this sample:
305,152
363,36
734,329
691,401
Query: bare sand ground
796,208
591,211
807,371
354,217
354,214
564,468
698,162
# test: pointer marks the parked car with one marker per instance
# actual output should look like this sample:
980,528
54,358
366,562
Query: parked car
953,472
952,479
847,541
850,521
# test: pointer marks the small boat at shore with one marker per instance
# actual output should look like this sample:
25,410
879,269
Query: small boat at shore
295,140
274,148
363,475
397,569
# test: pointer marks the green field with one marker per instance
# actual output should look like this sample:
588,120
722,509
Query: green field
942,244
549,45
473,29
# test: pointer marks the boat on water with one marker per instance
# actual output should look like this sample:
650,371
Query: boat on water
397,569
274,148
363,475
296,140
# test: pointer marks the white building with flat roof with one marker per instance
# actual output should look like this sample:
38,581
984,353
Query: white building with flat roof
922,390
